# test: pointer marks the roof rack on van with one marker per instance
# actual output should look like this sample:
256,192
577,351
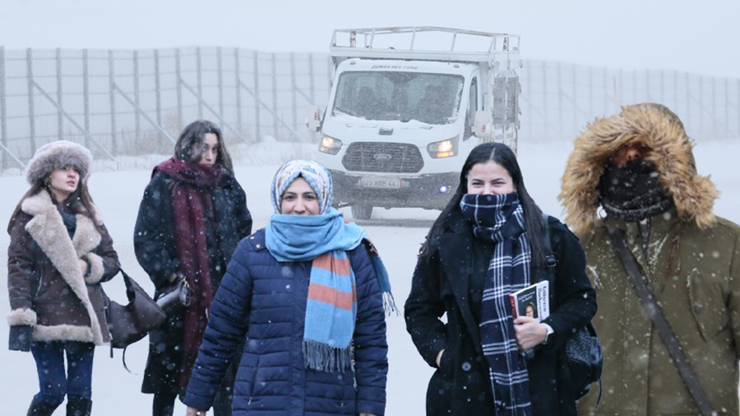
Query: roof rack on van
500,43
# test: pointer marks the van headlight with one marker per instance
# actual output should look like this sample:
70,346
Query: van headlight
330,145
445,148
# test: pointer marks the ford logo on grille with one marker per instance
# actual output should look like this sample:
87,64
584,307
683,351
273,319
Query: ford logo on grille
382,157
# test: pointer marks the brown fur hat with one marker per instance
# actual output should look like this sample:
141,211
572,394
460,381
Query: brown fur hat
654,127
56,155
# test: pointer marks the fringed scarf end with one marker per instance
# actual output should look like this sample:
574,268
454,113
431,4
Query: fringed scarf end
389,304
322,357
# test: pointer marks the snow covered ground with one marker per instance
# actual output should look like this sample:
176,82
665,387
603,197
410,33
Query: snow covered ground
397,234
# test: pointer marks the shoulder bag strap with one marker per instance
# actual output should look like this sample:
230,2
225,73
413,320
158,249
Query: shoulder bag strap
653,310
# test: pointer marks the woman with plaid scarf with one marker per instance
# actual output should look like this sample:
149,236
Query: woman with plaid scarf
486,244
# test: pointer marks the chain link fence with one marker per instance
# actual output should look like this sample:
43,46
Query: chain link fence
120,102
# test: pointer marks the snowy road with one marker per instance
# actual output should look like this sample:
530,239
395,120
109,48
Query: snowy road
397,234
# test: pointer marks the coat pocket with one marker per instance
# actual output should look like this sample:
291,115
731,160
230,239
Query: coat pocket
707,304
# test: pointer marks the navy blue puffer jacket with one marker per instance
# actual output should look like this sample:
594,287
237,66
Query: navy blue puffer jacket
266,300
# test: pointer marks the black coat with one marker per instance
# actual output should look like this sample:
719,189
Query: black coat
154,243
461,385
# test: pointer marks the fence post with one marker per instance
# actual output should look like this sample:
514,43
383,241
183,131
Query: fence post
3,114
274,96
560,99
158,90
675,89
258,134
114,145
544,99
311,77
635,100
620,99
86,94
220,82
31,118
60,117
575,105
727,108
529,98
688,100
200,82
714,107
292,89
701,104
238,91
137,125
647,86
590,91
179,88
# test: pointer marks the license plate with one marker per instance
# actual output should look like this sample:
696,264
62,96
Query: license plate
381,183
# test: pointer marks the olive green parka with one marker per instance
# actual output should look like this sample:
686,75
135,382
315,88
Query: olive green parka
691,260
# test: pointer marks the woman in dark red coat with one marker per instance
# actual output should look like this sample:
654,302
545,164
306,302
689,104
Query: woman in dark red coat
191,218
59,253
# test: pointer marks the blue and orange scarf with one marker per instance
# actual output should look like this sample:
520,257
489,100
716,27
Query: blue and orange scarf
331,308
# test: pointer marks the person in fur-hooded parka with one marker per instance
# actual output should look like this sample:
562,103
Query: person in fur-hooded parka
639,168
59,253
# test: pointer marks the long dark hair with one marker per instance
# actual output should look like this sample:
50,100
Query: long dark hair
80,200
504,156
190,143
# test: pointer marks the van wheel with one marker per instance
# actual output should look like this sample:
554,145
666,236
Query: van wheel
362,212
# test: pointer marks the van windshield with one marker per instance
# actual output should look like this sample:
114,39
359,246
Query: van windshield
405,96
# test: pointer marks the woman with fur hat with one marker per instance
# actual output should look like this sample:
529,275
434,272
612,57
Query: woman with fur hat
488,243
308,292
60,252
639,168
191,218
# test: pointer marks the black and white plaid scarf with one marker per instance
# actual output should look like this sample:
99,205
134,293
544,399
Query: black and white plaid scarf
500,218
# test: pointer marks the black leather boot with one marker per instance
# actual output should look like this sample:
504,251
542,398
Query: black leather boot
79,407
40,408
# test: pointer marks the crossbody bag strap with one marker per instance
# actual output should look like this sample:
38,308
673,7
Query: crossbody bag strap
653,310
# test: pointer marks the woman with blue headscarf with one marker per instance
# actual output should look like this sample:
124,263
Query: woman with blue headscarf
309,293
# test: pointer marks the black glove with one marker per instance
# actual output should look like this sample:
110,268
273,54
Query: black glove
21,337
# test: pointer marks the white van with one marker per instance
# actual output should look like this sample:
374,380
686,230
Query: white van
400,122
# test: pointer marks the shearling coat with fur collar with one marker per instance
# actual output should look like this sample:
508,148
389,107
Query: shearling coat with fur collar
47,289
690,259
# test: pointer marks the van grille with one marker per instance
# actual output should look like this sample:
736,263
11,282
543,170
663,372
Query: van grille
383,157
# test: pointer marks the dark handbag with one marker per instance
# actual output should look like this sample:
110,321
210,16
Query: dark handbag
176,297
585,360
131,322
654,311
583,349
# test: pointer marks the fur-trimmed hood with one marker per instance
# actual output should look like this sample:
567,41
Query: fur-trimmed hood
654,127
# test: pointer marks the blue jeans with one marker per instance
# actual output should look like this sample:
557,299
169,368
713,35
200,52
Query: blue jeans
54,381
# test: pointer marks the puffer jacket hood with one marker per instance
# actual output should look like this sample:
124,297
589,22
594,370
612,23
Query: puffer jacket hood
649,125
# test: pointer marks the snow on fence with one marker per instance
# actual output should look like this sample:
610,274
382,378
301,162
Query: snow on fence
123,102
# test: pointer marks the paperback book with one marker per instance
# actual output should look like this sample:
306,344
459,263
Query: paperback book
531,301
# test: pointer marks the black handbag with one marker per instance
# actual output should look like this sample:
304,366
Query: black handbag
585,360
176,297
131,322
583,349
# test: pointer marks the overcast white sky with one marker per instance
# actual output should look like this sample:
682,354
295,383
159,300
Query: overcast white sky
688,35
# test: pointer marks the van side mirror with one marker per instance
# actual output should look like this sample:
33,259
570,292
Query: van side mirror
482,126
313,119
